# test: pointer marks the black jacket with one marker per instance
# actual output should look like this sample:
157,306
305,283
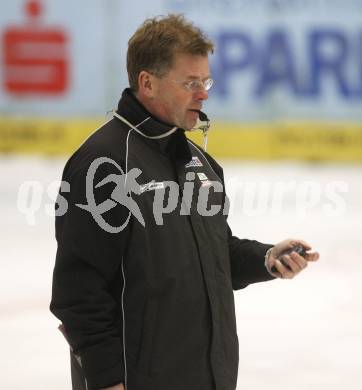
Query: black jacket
150,306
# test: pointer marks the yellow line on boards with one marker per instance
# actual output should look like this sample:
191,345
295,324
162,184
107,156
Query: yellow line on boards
308,140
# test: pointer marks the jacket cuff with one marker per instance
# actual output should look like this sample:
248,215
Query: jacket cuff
103,365
267,254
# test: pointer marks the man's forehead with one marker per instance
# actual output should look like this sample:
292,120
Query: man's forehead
191,66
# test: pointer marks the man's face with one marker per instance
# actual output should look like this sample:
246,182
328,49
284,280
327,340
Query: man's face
172,101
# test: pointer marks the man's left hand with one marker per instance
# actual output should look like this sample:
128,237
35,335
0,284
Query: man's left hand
291,263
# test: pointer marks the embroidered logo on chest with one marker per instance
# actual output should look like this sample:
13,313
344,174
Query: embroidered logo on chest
204,179
195,162
151,186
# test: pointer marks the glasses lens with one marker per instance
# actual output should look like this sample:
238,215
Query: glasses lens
198,85
208,84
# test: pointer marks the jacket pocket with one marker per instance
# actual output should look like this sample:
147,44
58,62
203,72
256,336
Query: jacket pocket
149,323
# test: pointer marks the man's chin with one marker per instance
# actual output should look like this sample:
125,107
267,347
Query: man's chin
190,125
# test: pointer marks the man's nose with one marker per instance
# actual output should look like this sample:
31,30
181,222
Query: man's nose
201,95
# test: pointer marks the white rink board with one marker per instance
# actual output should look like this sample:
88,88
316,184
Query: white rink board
300,334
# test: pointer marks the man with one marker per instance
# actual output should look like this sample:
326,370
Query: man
144,289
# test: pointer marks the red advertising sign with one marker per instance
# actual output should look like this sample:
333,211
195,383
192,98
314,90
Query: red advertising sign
35,57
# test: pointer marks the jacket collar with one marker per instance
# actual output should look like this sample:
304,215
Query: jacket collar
175,145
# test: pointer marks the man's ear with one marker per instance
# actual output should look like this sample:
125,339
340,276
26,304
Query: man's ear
146,84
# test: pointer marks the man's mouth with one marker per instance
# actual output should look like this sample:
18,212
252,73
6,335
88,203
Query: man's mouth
195,111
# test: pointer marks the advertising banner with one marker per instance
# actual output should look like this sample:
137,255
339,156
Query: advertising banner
287,73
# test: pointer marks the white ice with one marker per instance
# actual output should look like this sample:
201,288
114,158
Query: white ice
300,334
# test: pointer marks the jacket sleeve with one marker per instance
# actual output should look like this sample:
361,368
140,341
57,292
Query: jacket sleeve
87,278
247,261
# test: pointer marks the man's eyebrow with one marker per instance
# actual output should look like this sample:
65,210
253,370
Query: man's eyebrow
198,78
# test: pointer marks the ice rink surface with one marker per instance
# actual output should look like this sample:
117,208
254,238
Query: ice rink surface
301,334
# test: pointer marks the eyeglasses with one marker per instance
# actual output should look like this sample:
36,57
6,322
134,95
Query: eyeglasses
196,85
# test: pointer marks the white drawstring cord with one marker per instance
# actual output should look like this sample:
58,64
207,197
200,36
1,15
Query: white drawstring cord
124,120
203,128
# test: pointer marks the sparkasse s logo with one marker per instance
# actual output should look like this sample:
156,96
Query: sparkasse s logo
35,56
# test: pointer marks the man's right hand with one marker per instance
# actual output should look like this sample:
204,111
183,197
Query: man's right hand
116,387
